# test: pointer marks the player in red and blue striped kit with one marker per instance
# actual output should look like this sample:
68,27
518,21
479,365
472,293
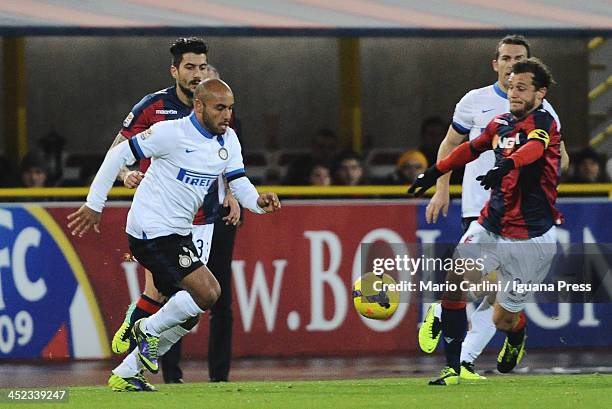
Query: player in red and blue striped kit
522,206
519,219
159,106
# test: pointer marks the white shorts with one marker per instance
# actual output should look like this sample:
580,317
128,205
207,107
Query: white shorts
202,239
516,261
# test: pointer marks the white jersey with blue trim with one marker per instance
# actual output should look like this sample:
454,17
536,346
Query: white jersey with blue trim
472,114
187,160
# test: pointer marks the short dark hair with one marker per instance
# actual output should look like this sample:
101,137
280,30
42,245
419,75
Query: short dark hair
182,46
542,77
514,39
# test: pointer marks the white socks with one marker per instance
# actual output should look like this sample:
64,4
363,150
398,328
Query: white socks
130,366
177,310
480,333
170,337
166,324
438,310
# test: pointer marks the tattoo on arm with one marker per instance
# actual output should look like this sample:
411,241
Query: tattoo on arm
118,139
228,191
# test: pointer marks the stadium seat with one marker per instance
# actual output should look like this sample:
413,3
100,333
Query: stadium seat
256,163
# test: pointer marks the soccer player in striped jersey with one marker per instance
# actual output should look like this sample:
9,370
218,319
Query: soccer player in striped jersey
475,110
519,218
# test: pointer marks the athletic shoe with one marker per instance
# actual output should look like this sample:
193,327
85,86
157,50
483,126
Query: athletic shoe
431,328
468,373
510,356
121,339
136,383
147,347
448,376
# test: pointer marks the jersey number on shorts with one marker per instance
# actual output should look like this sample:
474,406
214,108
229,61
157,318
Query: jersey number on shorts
200,247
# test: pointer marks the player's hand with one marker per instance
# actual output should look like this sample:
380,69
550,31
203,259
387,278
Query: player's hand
234,215
132,179
494,177
269,202
82,220
439,201
424,181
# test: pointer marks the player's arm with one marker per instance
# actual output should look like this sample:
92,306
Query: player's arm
230,201
565,159
463,121
241,186
460,156
137,121
247,195
89,214
154,142
441,198
537,142
130,178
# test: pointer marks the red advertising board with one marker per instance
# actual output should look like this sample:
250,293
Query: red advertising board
292,278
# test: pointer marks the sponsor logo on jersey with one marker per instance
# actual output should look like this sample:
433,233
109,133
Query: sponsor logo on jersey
506,142
145,134
128,120
166,112
195,179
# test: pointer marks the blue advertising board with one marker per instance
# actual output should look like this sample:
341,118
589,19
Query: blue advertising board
551,325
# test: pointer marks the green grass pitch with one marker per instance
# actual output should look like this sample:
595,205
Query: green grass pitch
516,392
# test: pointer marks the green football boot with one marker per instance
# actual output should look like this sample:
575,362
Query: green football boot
121,339
431,328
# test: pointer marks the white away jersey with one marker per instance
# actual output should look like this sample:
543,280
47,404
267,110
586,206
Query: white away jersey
187,160
472,114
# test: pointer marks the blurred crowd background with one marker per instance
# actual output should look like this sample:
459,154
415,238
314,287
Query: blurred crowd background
289,97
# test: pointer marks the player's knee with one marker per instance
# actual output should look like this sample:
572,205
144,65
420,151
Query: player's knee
215,291
209,296
503,322
154,294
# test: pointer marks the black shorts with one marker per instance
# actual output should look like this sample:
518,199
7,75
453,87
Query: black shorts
169,258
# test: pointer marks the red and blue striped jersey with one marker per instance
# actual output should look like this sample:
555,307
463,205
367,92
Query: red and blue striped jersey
153,108
523,206
161,106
